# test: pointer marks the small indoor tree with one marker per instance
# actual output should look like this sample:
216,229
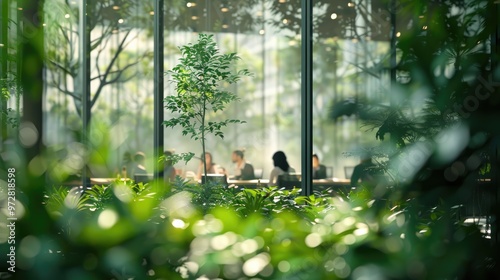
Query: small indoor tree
200,79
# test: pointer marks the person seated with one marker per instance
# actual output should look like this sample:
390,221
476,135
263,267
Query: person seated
127,165
363,172
242,169
281,167
319,170
212,167
139,168
169,172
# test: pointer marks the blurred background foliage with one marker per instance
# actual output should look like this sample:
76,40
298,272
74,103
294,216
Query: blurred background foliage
432,215
134,231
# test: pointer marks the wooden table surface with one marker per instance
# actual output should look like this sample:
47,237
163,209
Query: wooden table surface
323,183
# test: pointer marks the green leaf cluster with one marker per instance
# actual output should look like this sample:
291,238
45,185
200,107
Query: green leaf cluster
269,233
201,79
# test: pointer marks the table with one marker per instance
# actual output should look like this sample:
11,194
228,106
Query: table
248,183
95,181
317,184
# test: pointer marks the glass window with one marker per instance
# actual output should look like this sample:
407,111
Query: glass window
351,50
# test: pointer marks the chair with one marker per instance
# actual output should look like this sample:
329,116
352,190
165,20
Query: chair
348,171
329,171
215,179
259,173
289,180
143,178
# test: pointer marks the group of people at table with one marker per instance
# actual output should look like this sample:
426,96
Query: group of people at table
243,170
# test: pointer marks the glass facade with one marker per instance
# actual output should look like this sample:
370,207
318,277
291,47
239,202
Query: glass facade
353,59
265,34
415,82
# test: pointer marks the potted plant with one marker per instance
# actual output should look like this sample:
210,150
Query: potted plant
199,80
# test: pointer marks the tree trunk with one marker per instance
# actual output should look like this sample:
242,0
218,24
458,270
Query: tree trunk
203,138
35,221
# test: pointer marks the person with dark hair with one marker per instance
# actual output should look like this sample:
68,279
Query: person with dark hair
363,172
169,172
242,169
139,168
319,170
281,166
212,167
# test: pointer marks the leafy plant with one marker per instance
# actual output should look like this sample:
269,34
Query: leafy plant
198,231
61,197
200,78
442,68
208,196
98,196
10,116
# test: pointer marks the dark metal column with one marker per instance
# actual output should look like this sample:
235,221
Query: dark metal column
158,88
306,93
264,76
84,31
30,76
393,58
4,41
495,58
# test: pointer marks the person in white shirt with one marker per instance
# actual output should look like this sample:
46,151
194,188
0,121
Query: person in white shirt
281,166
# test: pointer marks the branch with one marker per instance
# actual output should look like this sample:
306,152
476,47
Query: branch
61,67
57,85
63,31
120,72
97,42
105,37
108,69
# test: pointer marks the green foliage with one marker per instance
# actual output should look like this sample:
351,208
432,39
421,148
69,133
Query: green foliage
99,196
141,231
199,79
9,115
206,196
62,197
265,201
442,68
215,232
